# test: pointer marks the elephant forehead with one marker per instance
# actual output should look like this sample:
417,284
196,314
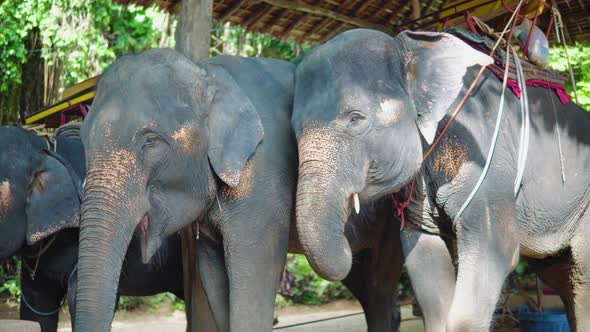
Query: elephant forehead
5,198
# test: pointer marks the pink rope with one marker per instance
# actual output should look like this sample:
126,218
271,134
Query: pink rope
400,206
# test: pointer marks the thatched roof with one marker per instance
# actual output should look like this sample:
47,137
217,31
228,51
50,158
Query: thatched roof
318,20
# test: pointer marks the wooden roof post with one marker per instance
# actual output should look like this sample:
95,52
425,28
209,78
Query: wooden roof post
193,33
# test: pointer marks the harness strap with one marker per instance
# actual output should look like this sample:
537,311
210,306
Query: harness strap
454,114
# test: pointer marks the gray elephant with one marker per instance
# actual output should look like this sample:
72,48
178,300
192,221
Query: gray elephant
171,143
39,222
367,106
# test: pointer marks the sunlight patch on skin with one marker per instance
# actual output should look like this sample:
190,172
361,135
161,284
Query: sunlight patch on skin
187,139
5,198
244,188
449,157
390,111
114,169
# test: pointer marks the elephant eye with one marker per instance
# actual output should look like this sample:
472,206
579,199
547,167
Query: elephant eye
356,116
151,139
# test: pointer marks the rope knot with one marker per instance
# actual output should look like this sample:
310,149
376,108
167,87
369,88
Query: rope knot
400,206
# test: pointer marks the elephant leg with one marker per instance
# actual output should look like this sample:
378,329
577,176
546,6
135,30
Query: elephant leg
215,281
488,250
432,275
580,274
255,254
372,280
557,275
71,295
40,298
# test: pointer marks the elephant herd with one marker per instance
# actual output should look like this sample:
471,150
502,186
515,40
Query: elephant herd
265,157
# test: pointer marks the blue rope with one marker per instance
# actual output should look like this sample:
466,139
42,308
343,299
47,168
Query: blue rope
486,167
40,313
53,312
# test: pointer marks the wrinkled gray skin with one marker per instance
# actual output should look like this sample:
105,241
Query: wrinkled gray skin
367,107
40,224
169,142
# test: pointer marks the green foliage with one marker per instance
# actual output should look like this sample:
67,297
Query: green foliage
237,41
17,18
10,280
131,303
306,287
80,38
579,57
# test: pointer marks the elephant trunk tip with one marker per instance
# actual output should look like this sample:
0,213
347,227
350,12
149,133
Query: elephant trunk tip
336,269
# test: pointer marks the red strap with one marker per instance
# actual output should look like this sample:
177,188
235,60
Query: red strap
400,206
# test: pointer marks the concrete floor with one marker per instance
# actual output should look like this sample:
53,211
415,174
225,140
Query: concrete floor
291,316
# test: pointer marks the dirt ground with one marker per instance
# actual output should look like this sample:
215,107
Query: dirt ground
291,319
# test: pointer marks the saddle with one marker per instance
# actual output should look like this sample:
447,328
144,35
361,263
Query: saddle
533,74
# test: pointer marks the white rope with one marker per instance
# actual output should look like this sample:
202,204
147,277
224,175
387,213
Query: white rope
516,10
523,146
557,133
486,167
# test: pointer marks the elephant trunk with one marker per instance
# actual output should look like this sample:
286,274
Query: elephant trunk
322,208
107,223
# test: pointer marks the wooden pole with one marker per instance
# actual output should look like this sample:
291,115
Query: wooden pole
194,28
193,34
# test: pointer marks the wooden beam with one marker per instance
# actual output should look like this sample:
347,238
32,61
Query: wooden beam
230,11
394,15
275,20
293,25
302,6
254,17
362,7
416,9
318,28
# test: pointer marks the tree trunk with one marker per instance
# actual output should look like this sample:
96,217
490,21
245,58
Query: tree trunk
27,97
193,35
32,96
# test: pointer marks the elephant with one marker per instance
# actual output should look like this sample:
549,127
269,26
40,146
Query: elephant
367,106
40,223
170,143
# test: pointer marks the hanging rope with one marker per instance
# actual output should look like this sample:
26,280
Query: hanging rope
486,167
473,84
561,163
52,312
523,145
561,37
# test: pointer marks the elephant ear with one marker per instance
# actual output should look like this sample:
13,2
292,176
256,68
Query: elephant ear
437,63
234,125
53,199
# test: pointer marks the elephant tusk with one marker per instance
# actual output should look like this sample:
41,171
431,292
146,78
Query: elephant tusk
357,203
